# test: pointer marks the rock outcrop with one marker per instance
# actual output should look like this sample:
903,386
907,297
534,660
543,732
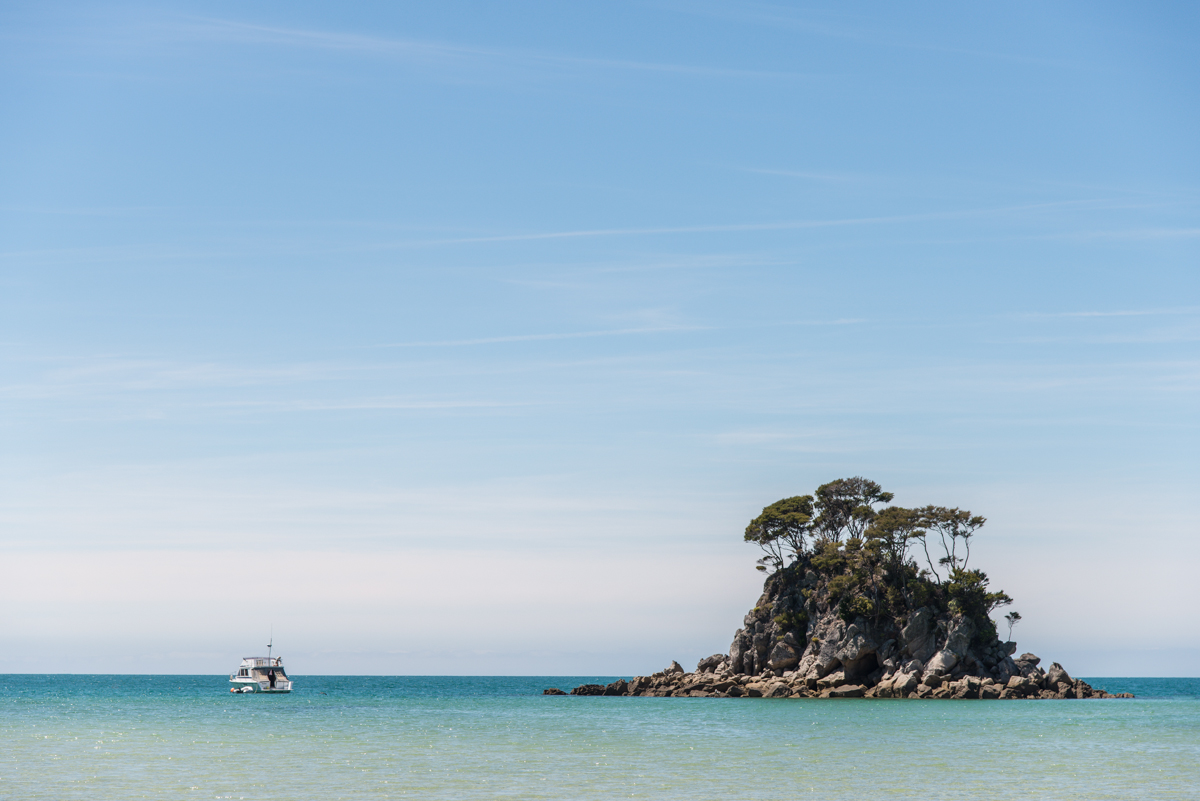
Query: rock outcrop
799,642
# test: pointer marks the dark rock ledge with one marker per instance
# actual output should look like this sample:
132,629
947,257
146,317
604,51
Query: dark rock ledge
716,680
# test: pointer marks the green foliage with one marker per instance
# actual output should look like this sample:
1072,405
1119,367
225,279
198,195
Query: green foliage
781,529
794,621
829,558
895,600
862,556
846,507
840,586
969,596
1012,618
954,528
892,530
855,606
985,633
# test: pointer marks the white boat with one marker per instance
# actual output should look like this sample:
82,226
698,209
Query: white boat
261,674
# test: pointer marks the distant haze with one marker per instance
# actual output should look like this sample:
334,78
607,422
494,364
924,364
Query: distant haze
467,338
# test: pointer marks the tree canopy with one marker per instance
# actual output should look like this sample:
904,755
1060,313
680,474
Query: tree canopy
781,529
847,507
864,554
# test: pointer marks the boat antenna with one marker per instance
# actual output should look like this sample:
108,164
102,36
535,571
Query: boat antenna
269,644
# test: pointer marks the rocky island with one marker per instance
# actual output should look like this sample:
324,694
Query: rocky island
864,601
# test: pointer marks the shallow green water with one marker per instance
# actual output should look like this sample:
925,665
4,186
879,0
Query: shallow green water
99,737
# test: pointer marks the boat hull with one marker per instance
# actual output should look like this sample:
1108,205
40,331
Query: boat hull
249,685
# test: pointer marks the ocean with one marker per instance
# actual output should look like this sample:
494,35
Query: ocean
359,737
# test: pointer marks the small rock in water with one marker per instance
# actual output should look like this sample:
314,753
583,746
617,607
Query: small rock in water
588,689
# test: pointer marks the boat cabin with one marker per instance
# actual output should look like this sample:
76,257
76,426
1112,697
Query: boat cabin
261,674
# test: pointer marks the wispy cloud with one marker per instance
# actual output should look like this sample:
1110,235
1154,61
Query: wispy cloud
1182,310
827,177
674,329
1132,234
445,54
367,404
860,28
444,343
782,225
1142,338
79,211
106,375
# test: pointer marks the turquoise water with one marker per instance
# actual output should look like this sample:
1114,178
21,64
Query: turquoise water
123,737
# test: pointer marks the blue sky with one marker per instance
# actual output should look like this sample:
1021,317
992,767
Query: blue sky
465,338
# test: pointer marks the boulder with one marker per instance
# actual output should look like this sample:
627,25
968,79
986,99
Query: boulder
552,691
760,646
783,657
832,680
829,634
845,691
918,637
958,637
905,683
618,687
857,653
588,689
808,667
855,645
884,689
675,669
1057,675
737,651
1019,685
942,663
1029,669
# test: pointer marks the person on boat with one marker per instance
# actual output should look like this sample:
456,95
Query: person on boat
271,678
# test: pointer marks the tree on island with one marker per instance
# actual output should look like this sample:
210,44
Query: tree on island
848,611
862,553
953,526
847,507
1013,619
780,530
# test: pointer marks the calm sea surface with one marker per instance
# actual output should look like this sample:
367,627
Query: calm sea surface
123,737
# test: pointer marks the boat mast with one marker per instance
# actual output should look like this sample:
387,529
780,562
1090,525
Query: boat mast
269,644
